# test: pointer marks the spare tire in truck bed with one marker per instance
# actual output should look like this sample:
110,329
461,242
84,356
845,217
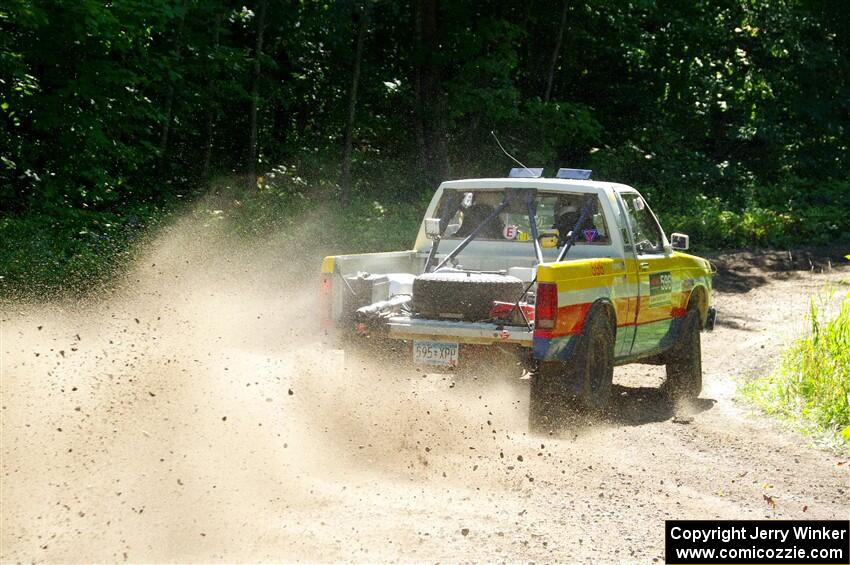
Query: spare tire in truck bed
456,295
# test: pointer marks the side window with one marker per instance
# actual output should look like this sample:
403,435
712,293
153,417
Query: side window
647,233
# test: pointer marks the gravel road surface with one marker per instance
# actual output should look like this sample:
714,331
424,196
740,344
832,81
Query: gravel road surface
192,417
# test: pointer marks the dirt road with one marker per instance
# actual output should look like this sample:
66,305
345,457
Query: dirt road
191,417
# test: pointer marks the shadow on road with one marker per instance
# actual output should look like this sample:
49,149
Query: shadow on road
632,406
635,406
733,322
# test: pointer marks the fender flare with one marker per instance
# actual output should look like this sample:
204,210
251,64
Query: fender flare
607,305
700,291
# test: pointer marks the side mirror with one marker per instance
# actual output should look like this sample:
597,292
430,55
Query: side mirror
432,228
679,241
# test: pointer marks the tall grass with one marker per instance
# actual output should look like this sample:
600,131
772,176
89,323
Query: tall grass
811,385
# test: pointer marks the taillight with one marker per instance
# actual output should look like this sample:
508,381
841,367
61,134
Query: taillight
325,302
546,306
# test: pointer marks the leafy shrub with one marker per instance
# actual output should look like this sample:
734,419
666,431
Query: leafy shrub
66,251
711,224
555,130
785,215
291,208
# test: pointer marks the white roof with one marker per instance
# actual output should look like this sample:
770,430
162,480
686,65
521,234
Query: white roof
539,183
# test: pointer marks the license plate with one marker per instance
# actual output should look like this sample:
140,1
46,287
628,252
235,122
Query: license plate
440,353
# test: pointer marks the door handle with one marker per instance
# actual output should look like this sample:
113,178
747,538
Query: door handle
644,266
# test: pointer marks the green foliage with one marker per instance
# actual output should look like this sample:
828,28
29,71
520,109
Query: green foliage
108,105
554,131
372,226
712,225
67,252
288,208
811,215
730,116
811,386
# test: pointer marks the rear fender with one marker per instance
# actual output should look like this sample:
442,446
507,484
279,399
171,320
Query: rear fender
584,286
564,348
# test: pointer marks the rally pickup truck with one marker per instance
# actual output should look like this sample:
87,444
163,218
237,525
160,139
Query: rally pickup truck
571,275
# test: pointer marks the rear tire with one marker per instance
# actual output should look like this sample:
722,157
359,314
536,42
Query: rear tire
548,397
560,389
596,360
684,365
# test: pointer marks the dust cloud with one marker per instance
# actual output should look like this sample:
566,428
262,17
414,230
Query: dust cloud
193,414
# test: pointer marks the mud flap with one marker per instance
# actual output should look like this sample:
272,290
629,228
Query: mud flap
710,319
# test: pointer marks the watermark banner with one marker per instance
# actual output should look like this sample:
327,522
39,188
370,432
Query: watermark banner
763,542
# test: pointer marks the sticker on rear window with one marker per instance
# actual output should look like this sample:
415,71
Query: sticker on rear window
510,231
590,235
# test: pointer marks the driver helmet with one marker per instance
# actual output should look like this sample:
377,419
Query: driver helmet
565,206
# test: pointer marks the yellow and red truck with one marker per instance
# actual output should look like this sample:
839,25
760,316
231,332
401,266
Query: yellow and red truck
571,275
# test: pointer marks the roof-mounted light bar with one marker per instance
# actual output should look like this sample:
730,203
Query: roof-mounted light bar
576,174
526,173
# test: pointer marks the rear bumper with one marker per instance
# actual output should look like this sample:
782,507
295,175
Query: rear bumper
480,333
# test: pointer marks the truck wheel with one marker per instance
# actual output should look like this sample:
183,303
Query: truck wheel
590,371
684,365
595,361
548,397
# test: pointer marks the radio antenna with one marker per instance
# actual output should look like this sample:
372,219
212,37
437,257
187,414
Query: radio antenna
530,172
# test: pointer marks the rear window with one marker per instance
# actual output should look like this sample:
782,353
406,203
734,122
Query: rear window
557,214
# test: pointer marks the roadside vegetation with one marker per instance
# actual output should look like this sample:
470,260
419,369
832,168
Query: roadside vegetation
67,251
80,253
810,389
115,117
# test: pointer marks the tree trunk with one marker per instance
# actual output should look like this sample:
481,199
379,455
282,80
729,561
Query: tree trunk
251,172
210,121
434,104
345,180
169,99
166,126
418,110
556,53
